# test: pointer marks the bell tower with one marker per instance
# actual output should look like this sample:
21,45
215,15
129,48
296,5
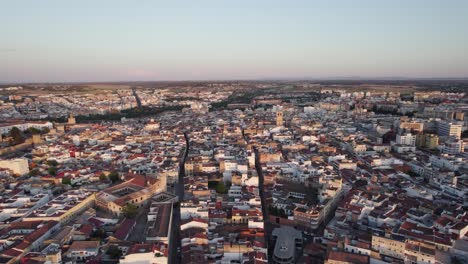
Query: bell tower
279,118
71,119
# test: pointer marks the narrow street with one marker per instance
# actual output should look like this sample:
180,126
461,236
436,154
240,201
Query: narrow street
267,226
175,256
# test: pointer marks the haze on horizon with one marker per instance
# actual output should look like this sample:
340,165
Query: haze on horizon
109,40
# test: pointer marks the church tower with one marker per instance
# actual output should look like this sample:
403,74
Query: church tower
279,118
71,119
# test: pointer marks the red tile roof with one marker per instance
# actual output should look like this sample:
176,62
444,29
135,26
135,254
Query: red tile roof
124,229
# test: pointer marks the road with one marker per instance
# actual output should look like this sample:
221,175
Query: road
267,226
174,244
136,97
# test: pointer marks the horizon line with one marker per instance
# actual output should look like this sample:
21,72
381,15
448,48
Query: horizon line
243,80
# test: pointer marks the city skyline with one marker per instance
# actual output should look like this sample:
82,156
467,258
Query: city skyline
52,41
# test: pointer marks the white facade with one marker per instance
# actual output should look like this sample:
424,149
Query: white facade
407,139
6,128
453,147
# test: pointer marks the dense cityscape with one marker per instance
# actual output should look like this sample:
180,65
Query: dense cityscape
234,172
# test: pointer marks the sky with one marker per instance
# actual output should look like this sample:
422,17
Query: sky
143,40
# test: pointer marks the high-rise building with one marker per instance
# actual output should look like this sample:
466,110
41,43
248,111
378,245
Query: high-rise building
449,129
431,141
453,147
428,141
407,139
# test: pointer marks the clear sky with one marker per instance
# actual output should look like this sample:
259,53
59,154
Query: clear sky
113,40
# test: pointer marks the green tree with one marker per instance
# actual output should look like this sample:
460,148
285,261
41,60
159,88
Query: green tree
66,181
53,163
130,211
102,177
34,131
45,130
113,176
52,170
15,133
220,187
33,172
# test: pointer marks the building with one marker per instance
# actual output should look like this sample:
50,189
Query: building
51,254
279,118
307,219
71,119
159,225
288,244
389,248
419,252
147,254
341,257
428,141
406,139
152,125
137,191
81,250
459,116
22,125
453,147
64,207
448,129
415,126
18,166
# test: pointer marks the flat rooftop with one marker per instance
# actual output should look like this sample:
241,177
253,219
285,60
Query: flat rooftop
159,218
286,237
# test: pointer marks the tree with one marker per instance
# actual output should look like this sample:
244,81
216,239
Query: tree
52,163
45,130
33,172
114,176
66,181
102,177
360,183
15,133
130,211
114,252
34,131
52,170
98,234
220,187
277,211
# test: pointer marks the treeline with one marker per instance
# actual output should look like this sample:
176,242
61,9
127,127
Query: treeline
137,112
16,136
378,110
237,98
